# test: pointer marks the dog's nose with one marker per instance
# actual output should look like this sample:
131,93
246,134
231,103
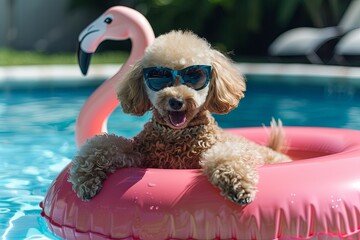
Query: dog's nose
176,103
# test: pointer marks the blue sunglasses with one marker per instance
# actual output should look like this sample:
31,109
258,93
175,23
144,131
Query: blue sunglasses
196,77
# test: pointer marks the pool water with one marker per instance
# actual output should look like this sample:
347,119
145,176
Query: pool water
37,135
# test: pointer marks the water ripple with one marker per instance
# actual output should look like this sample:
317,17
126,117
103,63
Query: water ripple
37,137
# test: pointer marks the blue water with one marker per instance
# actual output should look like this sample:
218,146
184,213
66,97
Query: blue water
37,135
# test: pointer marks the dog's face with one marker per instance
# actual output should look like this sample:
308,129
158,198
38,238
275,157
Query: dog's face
177,105
178,102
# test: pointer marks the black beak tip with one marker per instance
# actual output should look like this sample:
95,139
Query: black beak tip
84,59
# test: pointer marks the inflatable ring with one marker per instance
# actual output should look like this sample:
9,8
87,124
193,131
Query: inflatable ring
316,195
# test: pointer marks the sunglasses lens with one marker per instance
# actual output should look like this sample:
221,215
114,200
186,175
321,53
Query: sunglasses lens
196,77
158,78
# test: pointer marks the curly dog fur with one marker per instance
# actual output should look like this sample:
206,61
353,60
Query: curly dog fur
228,161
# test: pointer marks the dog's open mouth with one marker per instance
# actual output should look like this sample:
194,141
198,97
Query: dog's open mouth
177,118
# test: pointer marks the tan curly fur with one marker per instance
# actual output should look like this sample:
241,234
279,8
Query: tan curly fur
162,147
132,97
227,87
197,141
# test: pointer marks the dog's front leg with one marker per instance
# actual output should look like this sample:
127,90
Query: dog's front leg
233,170
99,156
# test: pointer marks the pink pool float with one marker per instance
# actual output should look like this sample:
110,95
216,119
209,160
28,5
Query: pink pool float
317,196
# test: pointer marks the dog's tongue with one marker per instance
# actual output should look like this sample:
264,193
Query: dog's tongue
177,118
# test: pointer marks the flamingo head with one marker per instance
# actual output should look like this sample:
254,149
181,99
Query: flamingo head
117,23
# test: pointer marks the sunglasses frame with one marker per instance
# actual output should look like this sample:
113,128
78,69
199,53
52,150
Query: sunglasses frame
180,73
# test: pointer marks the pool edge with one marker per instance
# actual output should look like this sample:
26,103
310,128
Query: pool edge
70,75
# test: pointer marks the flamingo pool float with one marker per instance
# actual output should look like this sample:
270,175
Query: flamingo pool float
117,23
315,198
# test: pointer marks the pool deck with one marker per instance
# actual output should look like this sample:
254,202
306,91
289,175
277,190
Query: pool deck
70,75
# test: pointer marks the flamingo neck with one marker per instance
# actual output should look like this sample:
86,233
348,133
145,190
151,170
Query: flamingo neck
93,116
140,39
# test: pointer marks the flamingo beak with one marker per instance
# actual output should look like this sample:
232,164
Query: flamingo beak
84,59
89,40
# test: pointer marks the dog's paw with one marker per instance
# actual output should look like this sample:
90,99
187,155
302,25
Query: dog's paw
240,194
235,187
86,186
88,189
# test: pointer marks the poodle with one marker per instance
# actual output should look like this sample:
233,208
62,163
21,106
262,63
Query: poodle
182,80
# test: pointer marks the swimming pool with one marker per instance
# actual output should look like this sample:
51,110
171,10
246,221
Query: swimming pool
37,133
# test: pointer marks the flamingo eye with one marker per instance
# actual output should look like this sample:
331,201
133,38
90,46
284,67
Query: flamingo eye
108,20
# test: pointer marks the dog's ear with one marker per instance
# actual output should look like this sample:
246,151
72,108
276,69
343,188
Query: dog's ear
227,85
131,91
